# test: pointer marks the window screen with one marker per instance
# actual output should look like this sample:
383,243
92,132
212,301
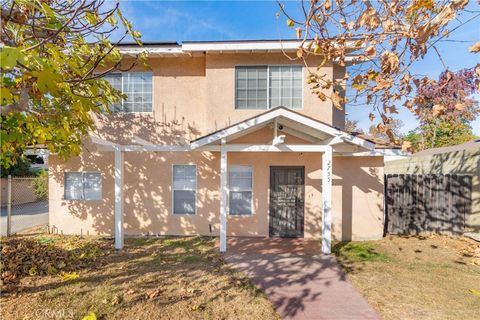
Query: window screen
240,190
138,88
251,87
184,189
115,80
285,86
73,185
83,186
263,87
92,186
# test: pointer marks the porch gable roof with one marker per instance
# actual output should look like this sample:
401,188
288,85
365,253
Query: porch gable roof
297,124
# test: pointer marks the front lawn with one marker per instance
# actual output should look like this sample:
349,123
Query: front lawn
433,277
64,277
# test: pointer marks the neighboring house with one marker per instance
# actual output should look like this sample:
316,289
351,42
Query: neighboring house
221,138
460,160
38,158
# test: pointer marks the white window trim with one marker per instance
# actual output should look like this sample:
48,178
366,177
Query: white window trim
153,95
196,191
228,193
268,84
83,186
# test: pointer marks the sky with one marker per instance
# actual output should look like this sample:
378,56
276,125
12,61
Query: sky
252,20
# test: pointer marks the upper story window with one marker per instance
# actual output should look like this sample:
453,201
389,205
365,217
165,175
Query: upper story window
137,86
263,87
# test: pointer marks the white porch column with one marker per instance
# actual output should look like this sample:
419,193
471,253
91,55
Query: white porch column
118,198
327,201
223,200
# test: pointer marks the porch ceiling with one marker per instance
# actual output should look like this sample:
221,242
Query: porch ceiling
284,126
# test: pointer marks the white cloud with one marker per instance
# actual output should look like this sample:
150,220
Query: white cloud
160,21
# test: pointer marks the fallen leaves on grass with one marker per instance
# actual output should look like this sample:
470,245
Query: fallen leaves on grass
90,316
134,284
153,294
46,255
33,271
68,276
475,292
129,291
428,275
117,300
191,290
198,307
472,250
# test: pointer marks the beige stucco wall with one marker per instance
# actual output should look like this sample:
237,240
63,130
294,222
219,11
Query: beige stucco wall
265,136
82,217
179,106
220,76
357,195
357,199
194,96
458,162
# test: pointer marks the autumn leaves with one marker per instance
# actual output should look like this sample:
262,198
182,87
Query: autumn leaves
380,40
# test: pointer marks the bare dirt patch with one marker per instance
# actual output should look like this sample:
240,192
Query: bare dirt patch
156,278
432,277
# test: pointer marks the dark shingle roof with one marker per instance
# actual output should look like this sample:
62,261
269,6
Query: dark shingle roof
149,43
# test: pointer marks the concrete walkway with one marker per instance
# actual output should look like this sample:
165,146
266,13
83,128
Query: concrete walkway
301,283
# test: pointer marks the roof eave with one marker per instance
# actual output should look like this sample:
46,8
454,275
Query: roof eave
152,51
241,46
289,114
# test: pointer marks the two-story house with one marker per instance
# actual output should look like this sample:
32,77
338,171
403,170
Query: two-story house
222,139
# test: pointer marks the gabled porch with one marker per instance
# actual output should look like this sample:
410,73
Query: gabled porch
284,123
278,130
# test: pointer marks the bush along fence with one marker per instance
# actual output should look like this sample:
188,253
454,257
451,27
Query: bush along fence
24,203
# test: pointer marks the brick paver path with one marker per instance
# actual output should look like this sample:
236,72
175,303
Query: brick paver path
301,282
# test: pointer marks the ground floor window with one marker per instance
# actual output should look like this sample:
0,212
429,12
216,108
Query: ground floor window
184,189
83,186
240,186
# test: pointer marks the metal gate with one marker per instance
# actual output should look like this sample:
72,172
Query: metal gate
287,199
427,203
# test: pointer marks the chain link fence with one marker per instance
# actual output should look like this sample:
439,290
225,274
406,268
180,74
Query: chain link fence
24,203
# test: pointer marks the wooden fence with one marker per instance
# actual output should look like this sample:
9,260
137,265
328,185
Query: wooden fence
427,203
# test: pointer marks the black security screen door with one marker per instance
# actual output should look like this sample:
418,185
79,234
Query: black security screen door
287,198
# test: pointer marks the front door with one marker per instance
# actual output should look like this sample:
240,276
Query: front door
287,198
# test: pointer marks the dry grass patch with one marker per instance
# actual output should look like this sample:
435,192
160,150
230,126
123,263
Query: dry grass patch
434,277
155,278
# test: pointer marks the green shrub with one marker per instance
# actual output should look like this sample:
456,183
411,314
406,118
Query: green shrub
21,168
40,185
